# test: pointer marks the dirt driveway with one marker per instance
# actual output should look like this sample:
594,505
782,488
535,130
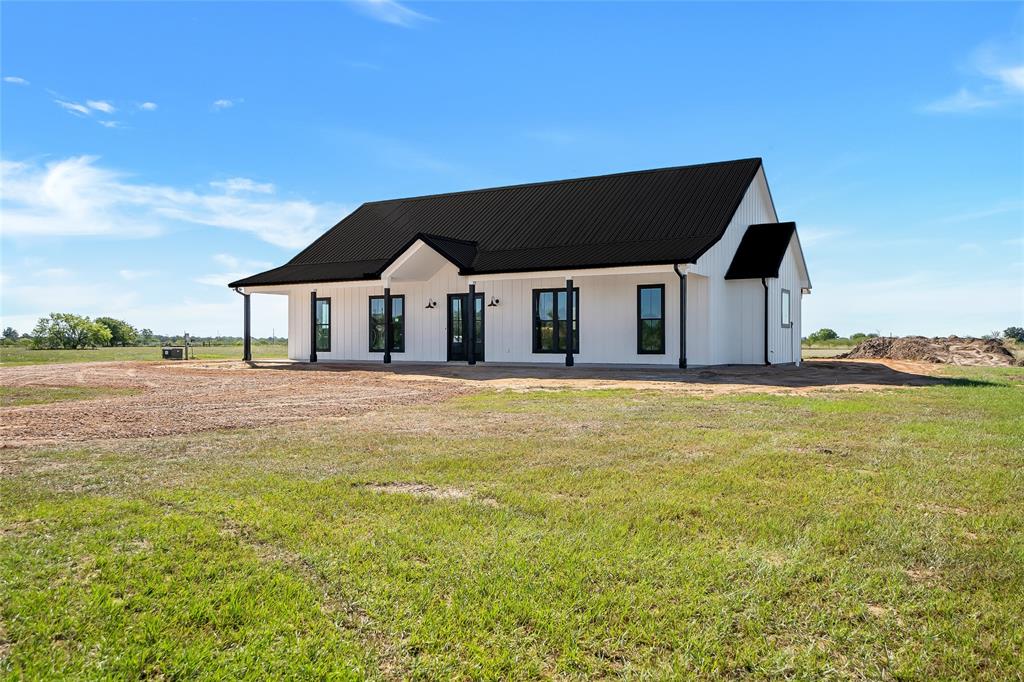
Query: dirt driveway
179,398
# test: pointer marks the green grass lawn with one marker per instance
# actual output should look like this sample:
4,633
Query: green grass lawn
16,355
571,534
11,396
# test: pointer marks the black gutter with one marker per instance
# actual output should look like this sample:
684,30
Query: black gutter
682,316
764,283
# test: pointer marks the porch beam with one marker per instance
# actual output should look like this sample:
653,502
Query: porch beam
312,326
471,332
387,326
246,332
570,314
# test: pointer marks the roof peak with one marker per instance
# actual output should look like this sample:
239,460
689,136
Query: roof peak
758,159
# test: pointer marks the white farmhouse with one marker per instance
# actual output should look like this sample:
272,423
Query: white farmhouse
675,266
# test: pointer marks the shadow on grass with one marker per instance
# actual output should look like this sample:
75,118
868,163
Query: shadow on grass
816,373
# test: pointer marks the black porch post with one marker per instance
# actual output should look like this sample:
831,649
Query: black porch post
312,326
570,316
682,317
247,336
387,325
471,331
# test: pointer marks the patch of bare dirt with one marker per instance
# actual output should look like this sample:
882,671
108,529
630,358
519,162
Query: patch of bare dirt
426,490
952,350
184,398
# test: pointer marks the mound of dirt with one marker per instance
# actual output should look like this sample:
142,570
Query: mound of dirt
951,350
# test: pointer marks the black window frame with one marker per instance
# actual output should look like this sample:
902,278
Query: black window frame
786,308
640,320
395,348
535,329
317,324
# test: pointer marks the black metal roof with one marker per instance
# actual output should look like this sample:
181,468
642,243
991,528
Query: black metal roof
761,251
667,215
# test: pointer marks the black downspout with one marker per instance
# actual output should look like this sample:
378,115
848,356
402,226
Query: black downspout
471,326
682,316
312,326
570,316
387,326
764,283
246,336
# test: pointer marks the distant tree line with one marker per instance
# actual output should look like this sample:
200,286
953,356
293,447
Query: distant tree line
829,337
70,331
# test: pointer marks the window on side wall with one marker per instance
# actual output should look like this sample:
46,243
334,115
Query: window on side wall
397,324
551,323
650,319
787,312
323,325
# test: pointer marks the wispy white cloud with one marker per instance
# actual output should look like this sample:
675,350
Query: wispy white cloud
132,275
391,12
110,124
100,105
73,107
1000,208
148,106
77,197
236,268
239,185
221,104
52,273
961,101
16,80
813,234
996,74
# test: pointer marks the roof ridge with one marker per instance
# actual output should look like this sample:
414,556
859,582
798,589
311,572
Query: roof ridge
541,183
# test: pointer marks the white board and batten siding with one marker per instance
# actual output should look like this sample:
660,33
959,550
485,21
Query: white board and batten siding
608,332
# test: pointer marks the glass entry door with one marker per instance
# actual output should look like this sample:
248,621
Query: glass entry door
458,326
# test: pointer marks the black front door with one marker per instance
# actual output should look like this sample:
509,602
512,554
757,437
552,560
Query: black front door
458,325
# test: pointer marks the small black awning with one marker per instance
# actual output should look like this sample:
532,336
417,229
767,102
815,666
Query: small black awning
761,251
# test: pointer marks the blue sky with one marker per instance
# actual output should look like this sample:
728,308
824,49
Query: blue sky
153,151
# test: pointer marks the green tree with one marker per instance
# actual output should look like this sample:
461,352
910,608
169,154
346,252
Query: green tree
67,330
1015,333
824,334
10,334
147,336
121,333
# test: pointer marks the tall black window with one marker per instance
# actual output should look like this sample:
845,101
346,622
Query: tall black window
551,321
323,325
650,319
397,324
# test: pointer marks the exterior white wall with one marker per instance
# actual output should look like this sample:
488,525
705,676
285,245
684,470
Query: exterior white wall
735,324
607,318
784,342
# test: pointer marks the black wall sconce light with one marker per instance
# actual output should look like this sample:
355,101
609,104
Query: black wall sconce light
431,303
494,302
